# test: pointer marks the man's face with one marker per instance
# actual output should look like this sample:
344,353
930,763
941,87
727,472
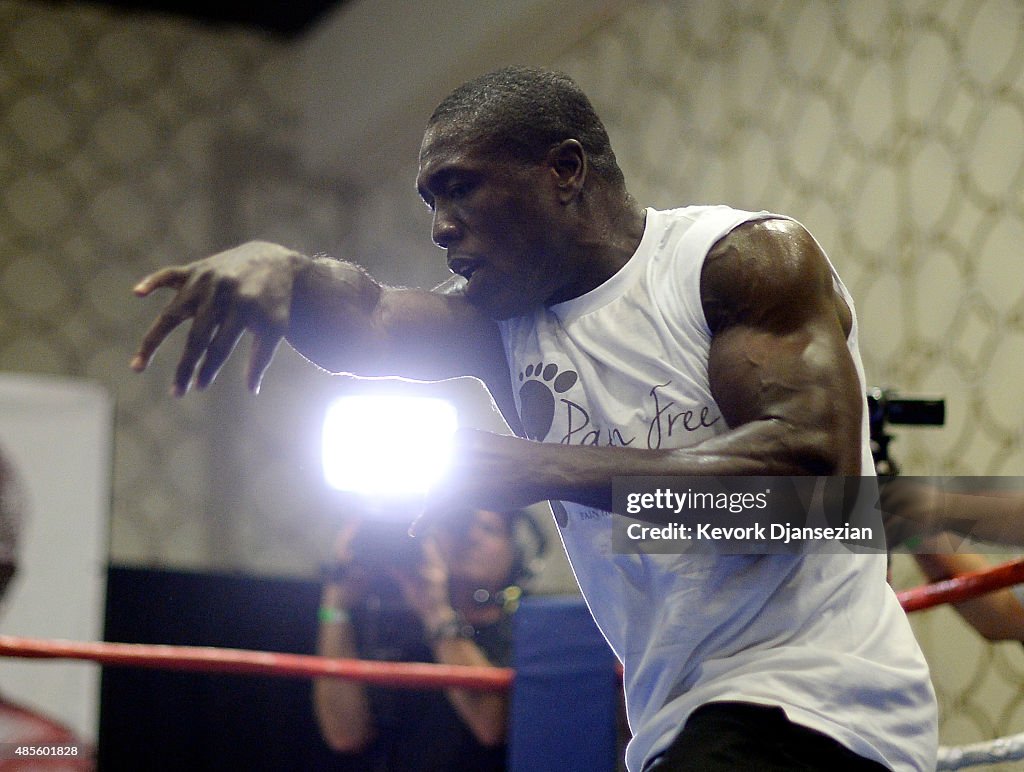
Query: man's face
499,221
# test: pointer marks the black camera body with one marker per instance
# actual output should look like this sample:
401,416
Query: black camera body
384,544
886,407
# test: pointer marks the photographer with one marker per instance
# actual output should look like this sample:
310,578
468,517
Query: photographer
934,521
446,599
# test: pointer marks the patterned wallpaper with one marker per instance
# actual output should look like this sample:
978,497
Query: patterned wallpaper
894,129
127,143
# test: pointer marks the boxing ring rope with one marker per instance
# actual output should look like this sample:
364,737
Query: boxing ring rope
963,587
954,590
415,675
996,751
207,659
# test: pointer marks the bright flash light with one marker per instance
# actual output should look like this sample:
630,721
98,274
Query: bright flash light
389,446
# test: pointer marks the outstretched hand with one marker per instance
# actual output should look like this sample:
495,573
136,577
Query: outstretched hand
245,288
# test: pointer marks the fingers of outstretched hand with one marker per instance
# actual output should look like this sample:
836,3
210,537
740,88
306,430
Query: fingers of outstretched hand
173,315
173,277
219,348
204,326
244,288
263,348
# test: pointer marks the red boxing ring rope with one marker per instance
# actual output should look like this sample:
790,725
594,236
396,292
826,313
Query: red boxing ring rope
406,675
963,587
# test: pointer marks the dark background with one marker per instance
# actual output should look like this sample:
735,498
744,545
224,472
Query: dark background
165,720
284,18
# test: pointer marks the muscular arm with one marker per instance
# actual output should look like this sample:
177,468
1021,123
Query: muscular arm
332,312
779,366
345,321
779,369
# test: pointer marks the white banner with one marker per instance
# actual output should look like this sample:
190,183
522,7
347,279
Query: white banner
58,434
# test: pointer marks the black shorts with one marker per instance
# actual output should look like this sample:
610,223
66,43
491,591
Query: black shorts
741,736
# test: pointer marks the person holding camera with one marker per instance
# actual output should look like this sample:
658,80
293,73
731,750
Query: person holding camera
446,599
932,522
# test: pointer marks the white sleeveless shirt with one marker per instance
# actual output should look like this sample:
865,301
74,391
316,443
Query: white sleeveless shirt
821,636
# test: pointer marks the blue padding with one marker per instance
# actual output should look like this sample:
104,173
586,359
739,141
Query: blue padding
565,693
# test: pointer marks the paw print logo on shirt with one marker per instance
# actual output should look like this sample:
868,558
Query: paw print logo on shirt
540,384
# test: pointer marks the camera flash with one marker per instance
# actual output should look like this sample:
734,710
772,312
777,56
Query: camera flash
387,446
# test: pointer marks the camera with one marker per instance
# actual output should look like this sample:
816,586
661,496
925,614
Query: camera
885,407
383,544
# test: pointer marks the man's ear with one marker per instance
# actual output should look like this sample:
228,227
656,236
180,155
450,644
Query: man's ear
568,163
